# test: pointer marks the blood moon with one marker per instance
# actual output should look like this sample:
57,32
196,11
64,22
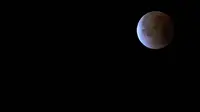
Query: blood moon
155,30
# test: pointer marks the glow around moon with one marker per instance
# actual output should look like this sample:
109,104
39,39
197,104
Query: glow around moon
155,30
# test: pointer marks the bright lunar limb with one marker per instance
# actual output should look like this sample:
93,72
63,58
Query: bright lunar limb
155,30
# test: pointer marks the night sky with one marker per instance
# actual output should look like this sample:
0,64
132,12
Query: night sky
102,36
111,34
115,34
90,49
106,47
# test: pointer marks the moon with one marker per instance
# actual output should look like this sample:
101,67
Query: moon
155,30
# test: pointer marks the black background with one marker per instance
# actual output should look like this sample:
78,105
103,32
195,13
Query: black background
106,36
100,37
107,54
105,51
93,46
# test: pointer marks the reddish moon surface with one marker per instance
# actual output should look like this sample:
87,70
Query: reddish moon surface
155,30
